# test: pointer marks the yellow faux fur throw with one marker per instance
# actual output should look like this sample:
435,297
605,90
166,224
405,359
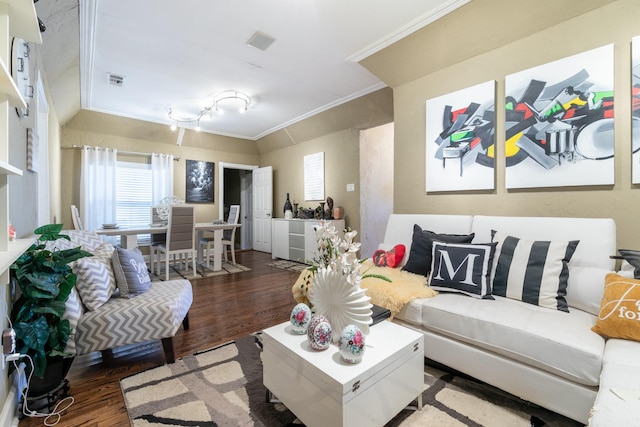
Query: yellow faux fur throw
403,288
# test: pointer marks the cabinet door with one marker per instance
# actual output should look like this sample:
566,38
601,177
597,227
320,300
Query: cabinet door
310,245
280,239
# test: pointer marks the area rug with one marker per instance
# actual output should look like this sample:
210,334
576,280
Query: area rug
201,270
287,265
223,387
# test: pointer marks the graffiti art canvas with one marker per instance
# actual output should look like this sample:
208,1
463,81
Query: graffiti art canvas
635,108
199,181
460,140
559,122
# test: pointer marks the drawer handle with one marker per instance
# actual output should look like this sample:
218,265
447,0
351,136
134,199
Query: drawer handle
355,386
416,347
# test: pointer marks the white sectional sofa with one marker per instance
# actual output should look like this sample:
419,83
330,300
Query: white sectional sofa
549,357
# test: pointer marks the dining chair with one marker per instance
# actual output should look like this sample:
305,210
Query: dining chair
156,238
228,237
75,217
180,238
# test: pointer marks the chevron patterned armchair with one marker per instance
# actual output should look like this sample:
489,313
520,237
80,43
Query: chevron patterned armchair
101,319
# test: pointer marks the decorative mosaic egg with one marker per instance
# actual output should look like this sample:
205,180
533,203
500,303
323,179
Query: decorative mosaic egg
351,344
319,333
300,317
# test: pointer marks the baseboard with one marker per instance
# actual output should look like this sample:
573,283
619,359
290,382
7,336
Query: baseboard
8,415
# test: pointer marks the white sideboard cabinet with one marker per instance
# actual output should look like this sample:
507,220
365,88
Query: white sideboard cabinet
295,239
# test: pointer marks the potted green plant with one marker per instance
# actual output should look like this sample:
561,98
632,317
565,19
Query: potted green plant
45,280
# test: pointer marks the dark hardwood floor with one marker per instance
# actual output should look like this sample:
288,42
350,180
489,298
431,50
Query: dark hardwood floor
224,308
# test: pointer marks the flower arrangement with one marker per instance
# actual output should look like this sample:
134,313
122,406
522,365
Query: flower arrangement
335,253
339,254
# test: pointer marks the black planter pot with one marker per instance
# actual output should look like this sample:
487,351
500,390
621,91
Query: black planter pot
54,375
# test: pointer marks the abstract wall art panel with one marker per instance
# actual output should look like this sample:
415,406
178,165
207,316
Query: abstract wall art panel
559,122
635,109
460,140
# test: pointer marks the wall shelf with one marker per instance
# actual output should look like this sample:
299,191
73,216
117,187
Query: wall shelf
8,86
7,169
24,20
16,248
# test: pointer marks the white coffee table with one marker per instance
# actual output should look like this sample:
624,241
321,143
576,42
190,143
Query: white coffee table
323,390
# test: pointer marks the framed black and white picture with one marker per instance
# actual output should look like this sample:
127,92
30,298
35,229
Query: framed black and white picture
199,181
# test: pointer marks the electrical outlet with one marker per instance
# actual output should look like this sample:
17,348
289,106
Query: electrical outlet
9,343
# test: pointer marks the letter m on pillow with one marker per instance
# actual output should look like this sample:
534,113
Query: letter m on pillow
462,268
445,266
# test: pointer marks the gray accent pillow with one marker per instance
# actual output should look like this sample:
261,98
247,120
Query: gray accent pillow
633,258
132,276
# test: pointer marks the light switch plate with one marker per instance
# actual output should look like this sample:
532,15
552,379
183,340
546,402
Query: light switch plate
351,187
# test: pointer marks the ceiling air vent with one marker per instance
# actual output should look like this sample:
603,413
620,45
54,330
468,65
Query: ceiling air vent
260,40
116,80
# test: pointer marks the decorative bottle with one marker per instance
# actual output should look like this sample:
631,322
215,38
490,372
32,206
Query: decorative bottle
287,205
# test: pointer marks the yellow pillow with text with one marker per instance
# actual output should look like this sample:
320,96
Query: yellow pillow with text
619,315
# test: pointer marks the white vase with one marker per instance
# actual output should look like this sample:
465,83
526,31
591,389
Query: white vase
341,302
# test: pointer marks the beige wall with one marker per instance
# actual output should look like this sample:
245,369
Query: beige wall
341,168
613,23
132,135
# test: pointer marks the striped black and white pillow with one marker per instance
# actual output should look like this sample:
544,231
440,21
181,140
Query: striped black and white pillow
535,272
463,268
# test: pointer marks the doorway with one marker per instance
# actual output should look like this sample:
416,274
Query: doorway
236,188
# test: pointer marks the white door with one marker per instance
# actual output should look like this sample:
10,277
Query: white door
246,200
262,207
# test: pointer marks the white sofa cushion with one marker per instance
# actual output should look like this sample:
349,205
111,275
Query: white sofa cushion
597,236
554,341
620,377
585,288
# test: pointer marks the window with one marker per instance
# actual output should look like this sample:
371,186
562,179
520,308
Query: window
133,196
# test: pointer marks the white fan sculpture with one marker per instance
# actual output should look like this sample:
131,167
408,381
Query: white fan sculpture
340,301
164,207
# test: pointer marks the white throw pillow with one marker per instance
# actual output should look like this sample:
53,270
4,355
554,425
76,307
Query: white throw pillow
586,288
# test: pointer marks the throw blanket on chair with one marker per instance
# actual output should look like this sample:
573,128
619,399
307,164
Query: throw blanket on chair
403,288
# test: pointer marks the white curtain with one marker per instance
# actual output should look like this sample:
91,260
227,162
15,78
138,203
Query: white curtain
97,187
161,177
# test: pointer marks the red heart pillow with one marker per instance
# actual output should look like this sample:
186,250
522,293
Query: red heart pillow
390,258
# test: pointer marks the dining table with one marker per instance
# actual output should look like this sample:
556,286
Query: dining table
129,236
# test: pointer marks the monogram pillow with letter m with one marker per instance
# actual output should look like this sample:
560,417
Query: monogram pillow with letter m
463,268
